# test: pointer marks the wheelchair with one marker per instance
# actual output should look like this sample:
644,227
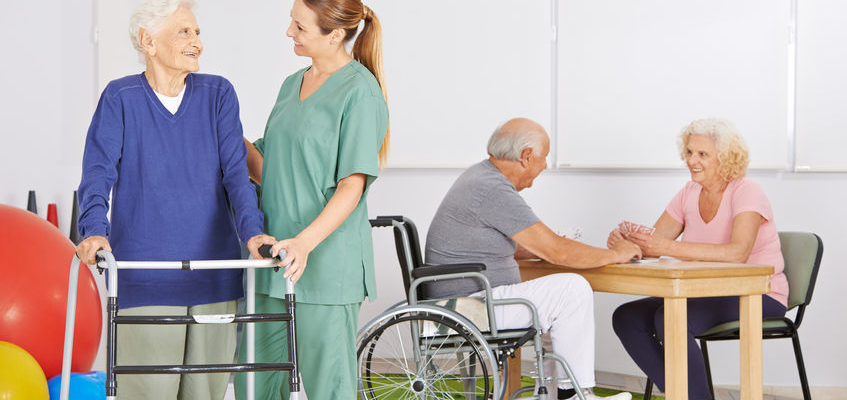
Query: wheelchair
424,348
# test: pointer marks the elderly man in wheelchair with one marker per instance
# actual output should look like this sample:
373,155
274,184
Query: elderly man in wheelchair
434,346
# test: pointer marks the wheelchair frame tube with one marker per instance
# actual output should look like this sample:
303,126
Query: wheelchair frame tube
489,307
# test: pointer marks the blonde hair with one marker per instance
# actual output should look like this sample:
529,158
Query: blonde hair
733,156
367,49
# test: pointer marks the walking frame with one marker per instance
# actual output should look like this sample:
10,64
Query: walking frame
105,260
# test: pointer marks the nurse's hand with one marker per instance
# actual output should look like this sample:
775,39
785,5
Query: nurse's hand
257,241
297,252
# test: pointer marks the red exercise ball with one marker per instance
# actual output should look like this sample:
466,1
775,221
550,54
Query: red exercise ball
34,268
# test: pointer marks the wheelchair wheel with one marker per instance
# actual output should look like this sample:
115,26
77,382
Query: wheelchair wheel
424,355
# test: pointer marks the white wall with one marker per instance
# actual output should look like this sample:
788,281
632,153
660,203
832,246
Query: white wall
49,81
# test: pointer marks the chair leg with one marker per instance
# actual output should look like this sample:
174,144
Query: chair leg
801,366
704,349
648,389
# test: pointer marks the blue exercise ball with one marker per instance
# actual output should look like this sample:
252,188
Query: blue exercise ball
84,386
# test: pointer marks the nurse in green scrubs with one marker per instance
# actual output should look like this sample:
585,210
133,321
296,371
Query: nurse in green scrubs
323,145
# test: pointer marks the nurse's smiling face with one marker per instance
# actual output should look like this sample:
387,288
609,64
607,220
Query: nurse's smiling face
309,40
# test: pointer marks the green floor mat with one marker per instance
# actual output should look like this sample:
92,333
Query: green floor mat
388,387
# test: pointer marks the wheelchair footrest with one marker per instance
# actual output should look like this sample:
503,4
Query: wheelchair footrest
199,319
201,368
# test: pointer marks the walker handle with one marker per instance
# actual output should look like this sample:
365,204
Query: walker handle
265,251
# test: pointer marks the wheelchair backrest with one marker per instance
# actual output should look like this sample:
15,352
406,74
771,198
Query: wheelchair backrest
407,243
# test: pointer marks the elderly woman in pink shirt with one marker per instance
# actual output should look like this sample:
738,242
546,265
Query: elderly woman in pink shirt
722,216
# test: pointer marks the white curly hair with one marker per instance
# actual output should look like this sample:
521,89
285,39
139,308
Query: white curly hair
733,155
148,15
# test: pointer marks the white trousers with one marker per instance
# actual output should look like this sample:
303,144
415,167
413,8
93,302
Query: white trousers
565,305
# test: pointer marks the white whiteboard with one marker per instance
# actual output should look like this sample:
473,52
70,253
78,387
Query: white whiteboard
632,73
453,69
457,69
821,85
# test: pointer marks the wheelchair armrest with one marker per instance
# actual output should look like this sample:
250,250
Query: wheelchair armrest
444,269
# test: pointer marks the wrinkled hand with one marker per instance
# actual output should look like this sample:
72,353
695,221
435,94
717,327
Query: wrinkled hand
650,245
297,255
615,236
627,251
257,241
88,248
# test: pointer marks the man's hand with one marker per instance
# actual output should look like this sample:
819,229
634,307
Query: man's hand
626,251
88,248
257,241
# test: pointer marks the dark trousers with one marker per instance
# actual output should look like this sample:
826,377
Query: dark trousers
640,325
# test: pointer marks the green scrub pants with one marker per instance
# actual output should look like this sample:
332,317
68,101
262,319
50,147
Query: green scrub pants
326,351
175,344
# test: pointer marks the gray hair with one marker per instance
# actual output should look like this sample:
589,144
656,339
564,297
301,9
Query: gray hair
148,15
508,145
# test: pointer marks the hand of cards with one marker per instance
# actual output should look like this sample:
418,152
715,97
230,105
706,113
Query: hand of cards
627,228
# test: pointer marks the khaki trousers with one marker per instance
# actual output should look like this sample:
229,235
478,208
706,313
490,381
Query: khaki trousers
175,344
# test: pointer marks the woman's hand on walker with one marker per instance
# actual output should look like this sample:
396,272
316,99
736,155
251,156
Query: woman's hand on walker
257,241
297,253
88,248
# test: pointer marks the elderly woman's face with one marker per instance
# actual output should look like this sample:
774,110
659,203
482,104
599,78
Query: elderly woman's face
177,44
701,156
309,41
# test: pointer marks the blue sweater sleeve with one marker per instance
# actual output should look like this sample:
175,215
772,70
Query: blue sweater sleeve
103,146
233,155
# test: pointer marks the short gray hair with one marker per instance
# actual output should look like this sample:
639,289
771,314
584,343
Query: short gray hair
508,145
148,15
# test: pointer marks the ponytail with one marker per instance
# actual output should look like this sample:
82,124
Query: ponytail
368,51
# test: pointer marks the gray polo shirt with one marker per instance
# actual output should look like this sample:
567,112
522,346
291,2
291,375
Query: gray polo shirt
475,224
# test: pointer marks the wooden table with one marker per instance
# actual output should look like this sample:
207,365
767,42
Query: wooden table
676,281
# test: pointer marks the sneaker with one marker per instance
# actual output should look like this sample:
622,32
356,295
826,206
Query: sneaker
589,395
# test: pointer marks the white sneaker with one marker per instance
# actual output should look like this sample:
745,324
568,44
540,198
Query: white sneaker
589,395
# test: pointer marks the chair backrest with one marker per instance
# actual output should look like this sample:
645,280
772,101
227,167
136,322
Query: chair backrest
802,252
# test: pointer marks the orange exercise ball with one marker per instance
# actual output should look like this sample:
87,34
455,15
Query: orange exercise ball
20,376
34,268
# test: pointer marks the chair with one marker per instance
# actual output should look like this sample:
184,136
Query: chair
802,252
422,345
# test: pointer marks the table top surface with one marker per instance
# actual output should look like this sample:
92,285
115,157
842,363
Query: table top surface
662,268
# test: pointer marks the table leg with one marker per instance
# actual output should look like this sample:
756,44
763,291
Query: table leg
513,382
676,349
750,313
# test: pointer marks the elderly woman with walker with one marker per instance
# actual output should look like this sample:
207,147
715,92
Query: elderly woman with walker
166,144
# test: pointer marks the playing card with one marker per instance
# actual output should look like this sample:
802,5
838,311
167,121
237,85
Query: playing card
647,230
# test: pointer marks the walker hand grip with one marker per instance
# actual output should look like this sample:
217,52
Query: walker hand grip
265,251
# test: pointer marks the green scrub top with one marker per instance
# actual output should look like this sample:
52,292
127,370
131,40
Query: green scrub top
308,147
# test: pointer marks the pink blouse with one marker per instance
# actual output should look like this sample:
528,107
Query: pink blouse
741,195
